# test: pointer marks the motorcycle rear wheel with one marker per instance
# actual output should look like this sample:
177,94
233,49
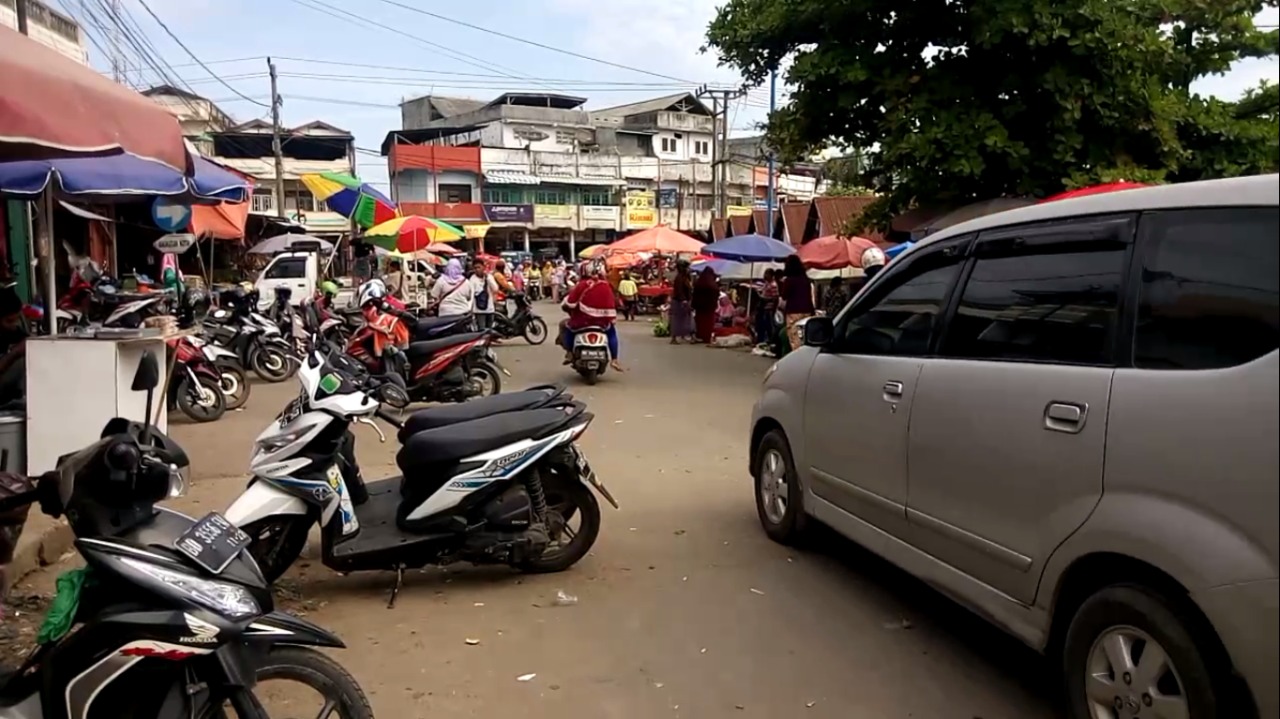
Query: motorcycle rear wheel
567,497
487,378
235,384
590,376
204,403
271,363
535,331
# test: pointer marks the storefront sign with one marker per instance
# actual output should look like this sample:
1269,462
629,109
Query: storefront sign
640,210
605,216
738,210
668,198
508,213
175,244
476,231
553,212
170,215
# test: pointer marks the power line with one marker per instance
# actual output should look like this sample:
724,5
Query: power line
186,49
534,43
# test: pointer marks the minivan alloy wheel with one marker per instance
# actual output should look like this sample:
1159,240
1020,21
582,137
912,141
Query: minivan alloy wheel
774,491
1130,675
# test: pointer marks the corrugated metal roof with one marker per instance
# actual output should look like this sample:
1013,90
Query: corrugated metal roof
657,104
740,224
795,216
718,227
450,106
835,212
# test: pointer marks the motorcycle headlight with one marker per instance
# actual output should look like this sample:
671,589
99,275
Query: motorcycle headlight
230,600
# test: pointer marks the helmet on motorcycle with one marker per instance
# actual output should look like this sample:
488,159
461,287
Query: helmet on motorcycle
329,288
370,292
872,261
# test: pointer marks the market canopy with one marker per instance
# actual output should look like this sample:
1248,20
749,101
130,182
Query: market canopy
351,198
659,239
749,248
120,177
832,252
52,106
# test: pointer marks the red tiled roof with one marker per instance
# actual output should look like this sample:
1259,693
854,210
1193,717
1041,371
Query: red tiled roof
795,216
718,227
741,224
834,213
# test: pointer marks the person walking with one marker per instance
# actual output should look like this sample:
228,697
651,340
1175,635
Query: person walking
453,294
795,298
630,294
544,279
680,313
768,290
706,300
486,294
558,276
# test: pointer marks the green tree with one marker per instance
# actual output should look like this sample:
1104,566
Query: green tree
968,99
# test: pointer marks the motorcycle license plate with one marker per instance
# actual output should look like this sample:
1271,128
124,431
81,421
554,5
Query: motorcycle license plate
594,354
212,542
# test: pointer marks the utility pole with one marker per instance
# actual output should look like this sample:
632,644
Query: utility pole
21,11
772,196
275,139
720,158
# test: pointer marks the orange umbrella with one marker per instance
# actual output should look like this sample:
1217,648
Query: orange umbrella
440,248
833,252
622,260
658,240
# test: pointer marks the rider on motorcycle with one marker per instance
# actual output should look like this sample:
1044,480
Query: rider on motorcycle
386,329
591,303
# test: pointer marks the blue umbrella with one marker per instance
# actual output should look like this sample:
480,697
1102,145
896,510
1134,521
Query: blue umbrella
898,249
120,177
749,248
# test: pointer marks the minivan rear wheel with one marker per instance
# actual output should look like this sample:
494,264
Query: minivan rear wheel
778,497
1129,652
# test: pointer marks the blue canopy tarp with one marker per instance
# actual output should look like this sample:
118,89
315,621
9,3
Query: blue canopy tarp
749,248
120,177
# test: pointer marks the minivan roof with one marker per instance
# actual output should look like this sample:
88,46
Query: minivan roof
1255,190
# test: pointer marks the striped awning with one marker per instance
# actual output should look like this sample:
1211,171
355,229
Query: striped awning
510,177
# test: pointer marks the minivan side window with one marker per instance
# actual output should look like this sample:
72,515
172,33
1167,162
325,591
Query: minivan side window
1049,303
1208,296
288,268
902,321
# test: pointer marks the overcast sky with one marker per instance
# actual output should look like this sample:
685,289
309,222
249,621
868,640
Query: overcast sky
652,45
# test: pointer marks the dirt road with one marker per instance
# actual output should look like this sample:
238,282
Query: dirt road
684,608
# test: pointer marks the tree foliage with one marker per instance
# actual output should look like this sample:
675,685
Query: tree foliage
969,99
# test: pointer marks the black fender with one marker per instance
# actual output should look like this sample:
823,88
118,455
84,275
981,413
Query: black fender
280,628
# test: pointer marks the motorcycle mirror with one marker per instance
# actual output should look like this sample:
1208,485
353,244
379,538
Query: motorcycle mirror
393,395
147,376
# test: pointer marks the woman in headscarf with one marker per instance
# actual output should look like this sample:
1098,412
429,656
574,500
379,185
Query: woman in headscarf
706,299
795,296
680,314
591,303
452,294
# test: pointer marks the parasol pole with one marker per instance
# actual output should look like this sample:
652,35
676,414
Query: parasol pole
332,254
50,268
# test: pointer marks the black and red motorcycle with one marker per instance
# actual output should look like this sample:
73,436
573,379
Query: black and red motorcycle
196,385
453,368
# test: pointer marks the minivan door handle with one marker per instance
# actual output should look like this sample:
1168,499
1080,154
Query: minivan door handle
1066,417
892,391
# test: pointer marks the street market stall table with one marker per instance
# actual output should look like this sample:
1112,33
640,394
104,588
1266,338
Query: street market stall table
652,297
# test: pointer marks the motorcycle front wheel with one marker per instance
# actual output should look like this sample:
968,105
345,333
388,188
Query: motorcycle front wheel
299,681
234,383
535,331
485,378
271,363
203,402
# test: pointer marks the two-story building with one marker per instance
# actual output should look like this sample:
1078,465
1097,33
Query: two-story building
48,27
310,148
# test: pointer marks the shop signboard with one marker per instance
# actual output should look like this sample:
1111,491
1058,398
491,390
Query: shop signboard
738,210
175,244
668,198
553,212
508,213
641,214
476,231
605,216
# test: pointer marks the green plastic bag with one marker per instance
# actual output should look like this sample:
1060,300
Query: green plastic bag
62,612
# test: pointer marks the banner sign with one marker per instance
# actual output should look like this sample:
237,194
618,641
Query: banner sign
508,213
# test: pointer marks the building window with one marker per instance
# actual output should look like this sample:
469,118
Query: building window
701,147
552,197
504,196
597,197
453,194
565,137
263,201
300,200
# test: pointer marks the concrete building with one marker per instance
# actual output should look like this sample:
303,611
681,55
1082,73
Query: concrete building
48,27
314,147
200,117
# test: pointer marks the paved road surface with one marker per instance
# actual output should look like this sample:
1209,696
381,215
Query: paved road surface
684,608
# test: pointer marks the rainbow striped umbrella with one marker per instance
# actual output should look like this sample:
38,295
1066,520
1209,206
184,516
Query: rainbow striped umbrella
351,198
412,233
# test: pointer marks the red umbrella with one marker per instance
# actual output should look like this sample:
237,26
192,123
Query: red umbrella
52,106
440,248
1094,190
660,239
833,252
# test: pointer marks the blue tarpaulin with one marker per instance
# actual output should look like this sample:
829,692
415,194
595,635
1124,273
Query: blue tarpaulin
120,177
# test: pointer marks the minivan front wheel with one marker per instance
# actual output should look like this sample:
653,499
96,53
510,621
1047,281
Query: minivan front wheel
778,495
1129,653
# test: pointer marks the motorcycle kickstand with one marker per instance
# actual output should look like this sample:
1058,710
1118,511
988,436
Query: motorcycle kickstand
395,590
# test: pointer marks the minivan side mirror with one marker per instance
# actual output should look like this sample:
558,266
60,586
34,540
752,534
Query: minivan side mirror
147,376
817,331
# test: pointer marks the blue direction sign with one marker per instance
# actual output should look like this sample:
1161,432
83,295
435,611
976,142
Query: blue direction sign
171,215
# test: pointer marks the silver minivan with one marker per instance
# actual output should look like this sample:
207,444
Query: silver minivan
1065,417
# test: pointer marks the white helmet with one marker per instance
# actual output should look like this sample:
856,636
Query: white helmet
872,257
371,291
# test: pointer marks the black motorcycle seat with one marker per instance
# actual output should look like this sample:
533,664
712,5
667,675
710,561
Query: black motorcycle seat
430,347
426,324
435,417
429,452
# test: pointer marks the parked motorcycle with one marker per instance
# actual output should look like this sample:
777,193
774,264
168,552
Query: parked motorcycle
231,375
523,323
590,353
172,618
196,387
255,339
494,481
95,297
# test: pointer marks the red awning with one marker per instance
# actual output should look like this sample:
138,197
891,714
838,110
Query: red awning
52,106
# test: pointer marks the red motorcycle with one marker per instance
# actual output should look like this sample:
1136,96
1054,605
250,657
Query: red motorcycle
451,369
196,385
